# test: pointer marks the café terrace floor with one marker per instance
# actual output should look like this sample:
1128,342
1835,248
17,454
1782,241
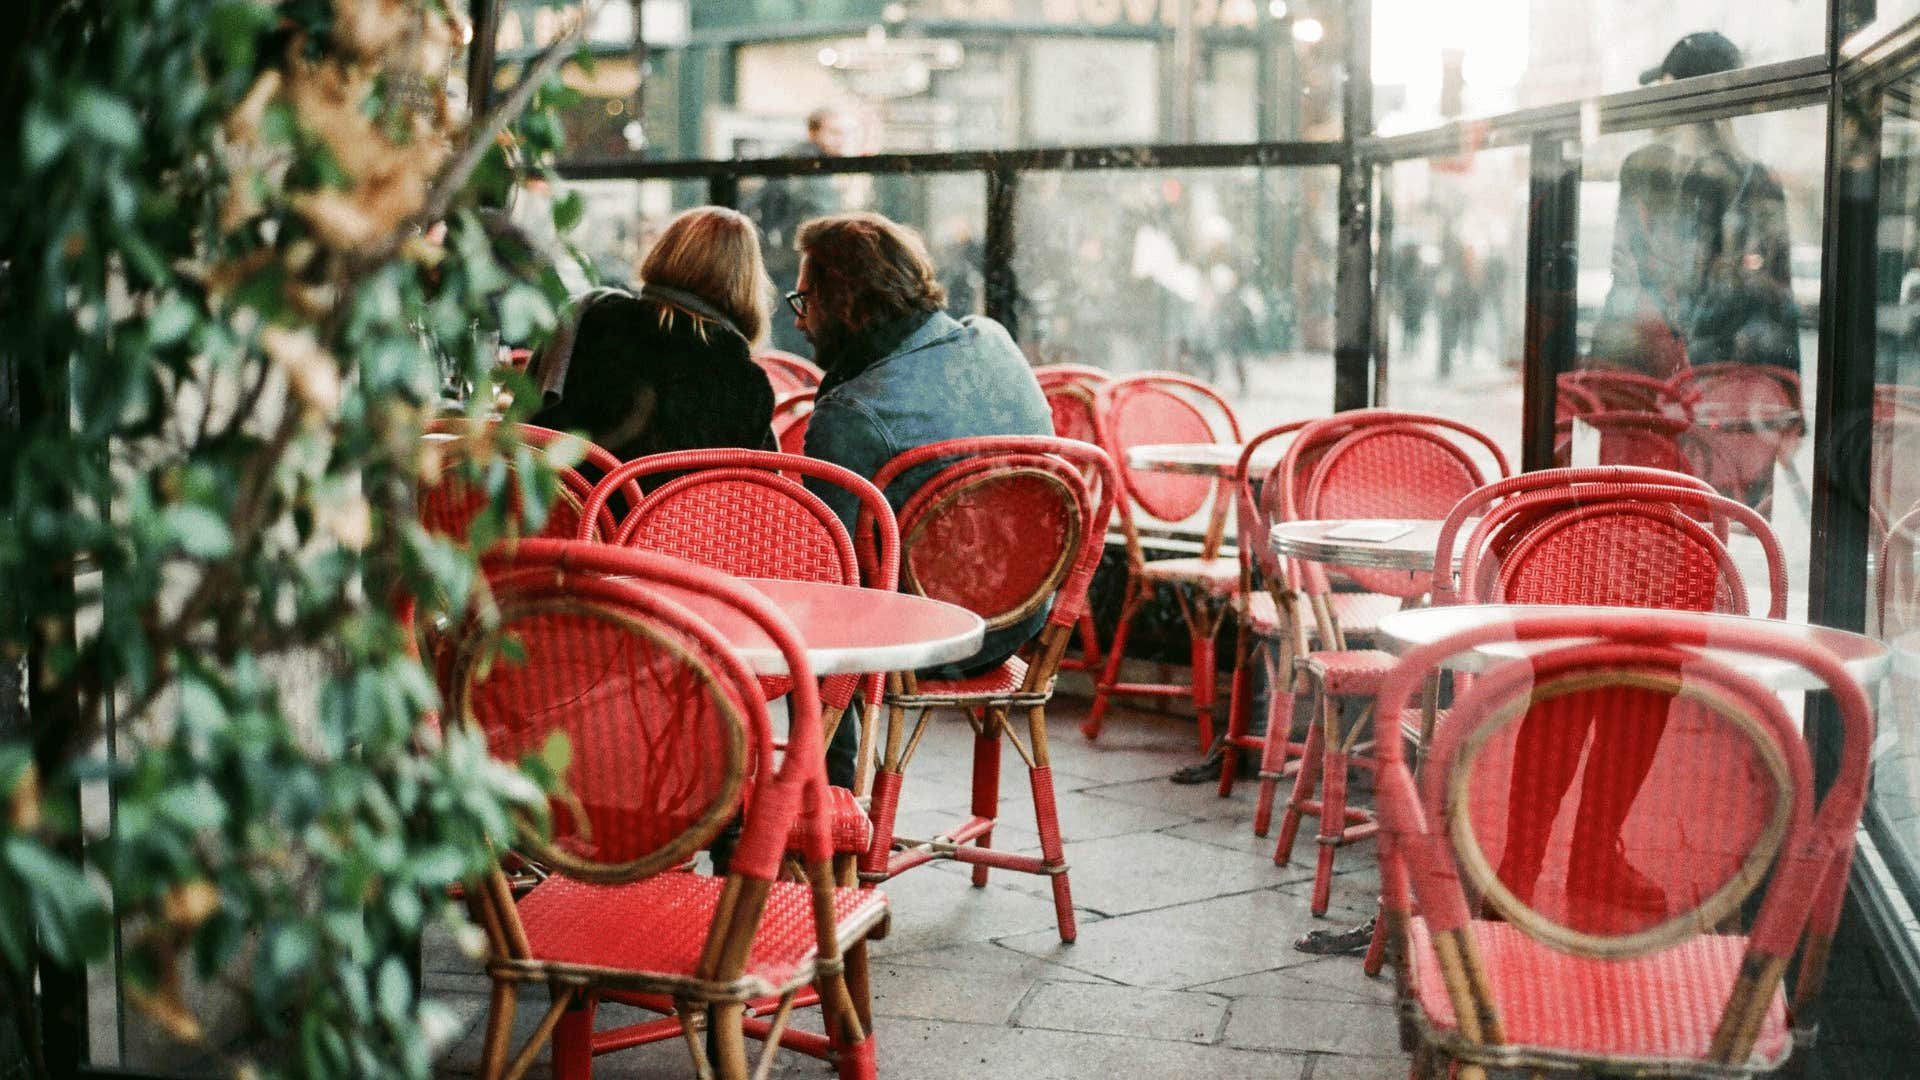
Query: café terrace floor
1184,965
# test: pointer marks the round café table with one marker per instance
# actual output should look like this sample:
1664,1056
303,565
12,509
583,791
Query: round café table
846,630
1411,549
1214,460
1864,658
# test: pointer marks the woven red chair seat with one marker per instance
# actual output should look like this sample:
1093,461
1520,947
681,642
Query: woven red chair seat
1352,671
1662,1006
1217,575
997,687
656,927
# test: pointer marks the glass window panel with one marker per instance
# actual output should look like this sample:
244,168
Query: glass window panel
619,219
1224,274
1454,289
1699,299
1433,62
1893,602
949,210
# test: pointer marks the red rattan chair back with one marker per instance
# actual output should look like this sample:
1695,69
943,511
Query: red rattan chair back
1158,407
1071,400
1255,503
743,512
1645,440
790,418
788,373
1729,396
1009,526
448,503
1594,481
667,728
1626,545
1390,470
1628,391
1703,802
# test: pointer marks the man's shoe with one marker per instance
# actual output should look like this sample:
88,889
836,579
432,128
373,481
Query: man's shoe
1331,942
1208,770
1201,772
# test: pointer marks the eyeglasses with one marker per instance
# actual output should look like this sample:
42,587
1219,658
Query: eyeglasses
797,300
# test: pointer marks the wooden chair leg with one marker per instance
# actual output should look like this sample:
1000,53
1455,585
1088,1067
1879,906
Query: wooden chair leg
986,780
1201,624
1116,651
1046,817
1239,690
500,1010
1305,783
860,983
1333,809
729,1040
573,1041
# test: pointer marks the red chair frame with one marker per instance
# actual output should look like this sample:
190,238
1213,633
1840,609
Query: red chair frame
1420,845
719,948
1059,466
1205,585
1070,391
447,509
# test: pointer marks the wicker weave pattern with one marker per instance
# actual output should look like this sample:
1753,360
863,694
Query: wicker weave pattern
994,537
1553,1004
1663,1006
659,926
1389,471
745,523
1623,555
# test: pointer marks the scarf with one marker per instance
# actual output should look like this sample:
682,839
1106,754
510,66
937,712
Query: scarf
846,359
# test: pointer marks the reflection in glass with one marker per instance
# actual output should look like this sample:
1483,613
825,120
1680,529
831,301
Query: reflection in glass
1893,493
948,209
1698,295
1453,289
1222,274
1437,62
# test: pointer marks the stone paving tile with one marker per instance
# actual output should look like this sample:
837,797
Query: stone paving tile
928,1050
1123,874
1271,1023
1333,978
1340,1067
933,908
1180,947
924,993
1233,832
991,958
1199,802
1124,1010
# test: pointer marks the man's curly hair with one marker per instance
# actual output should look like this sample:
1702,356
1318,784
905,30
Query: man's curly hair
863,269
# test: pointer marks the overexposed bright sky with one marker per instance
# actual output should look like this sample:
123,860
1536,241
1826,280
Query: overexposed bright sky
1409,35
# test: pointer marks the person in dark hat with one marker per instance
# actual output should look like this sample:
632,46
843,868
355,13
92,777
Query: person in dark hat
1701,270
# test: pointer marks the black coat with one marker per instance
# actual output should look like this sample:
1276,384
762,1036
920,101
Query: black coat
638,388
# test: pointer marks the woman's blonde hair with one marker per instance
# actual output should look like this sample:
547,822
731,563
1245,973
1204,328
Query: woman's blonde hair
713,253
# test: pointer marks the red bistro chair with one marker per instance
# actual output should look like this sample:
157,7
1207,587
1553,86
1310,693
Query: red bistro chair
1648,440
1568,971
1070,390
788,373
1269,623
448,503
1375,464
746,513
669,741
1747,419
1156,407
1008,528
1629,391
790,417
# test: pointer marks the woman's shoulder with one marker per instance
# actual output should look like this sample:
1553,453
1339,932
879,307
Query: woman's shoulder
673,329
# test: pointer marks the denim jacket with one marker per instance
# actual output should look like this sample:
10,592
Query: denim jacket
949,379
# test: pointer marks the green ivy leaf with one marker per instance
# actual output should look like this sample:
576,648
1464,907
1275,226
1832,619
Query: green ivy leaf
197,530
106,117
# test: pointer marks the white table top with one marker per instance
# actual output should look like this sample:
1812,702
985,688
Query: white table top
847,630
1203,459
1864,658
1736,417
1412,550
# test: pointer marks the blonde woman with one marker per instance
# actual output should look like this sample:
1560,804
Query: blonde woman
671,368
